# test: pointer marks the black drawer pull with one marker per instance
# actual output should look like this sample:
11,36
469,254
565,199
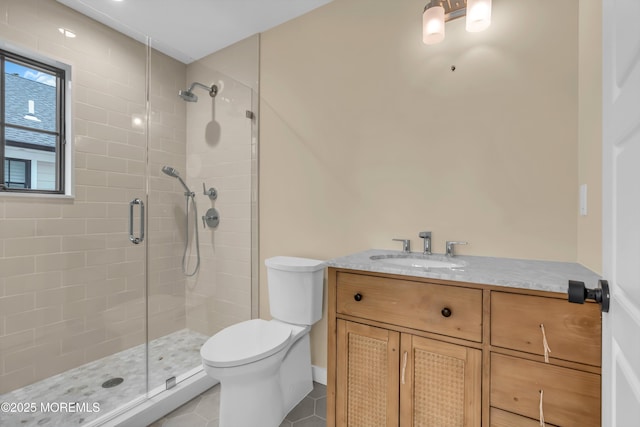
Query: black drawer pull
446,312
357,297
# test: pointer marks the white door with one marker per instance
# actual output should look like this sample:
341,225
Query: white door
621,215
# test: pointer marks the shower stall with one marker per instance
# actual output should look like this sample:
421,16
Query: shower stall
108,293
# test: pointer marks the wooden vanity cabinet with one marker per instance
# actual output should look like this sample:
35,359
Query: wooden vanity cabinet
429,353
387,378
388,373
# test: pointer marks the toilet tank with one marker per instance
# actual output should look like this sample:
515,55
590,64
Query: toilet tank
295,289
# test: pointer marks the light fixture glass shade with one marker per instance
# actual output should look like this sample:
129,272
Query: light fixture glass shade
478,15
67,33
433,25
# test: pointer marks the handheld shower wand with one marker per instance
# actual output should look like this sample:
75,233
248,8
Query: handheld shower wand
190,195
168,170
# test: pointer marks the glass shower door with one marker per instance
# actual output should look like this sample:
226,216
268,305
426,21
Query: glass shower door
208,144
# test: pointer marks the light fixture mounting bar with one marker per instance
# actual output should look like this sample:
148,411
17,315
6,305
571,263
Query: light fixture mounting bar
454,9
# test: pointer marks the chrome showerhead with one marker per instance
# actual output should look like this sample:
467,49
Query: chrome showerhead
170,171
189,96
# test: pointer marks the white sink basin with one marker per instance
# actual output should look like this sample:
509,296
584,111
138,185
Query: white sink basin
418,261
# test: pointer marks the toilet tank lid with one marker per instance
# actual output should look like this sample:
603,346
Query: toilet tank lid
288,263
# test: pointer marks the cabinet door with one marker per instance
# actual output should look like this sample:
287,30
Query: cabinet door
440,384
367,376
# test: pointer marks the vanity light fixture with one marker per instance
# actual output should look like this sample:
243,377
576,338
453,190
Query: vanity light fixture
437,12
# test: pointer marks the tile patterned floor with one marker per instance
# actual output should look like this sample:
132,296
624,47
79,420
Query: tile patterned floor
173,354
202,411
311,412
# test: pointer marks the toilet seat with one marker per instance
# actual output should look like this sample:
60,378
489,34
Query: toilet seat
245,342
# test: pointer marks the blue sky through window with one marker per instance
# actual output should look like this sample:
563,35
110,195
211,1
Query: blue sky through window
29,73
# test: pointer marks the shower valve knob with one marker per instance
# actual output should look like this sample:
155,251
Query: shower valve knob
211,218
211,192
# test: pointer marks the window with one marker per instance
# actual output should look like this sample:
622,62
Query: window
17,173
32,125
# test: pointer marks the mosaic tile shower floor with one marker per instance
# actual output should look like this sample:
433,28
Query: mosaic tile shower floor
173,354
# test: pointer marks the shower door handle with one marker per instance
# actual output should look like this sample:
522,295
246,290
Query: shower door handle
136,240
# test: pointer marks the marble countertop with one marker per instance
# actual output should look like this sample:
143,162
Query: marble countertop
548,276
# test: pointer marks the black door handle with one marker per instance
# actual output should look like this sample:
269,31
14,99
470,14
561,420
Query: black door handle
578,293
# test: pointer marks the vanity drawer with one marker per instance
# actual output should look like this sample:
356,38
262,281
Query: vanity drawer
447,310
573,331
571,398
501,418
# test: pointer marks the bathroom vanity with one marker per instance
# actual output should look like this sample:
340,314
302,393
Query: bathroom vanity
463,346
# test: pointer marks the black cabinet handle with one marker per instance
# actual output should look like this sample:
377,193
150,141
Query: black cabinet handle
446,312
357,297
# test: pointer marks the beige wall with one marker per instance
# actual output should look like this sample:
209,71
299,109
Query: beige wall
590,133
72,286
368,135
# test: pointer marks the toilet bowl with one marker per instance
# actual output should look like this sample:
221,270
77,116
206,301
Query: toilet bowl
246,358
264,366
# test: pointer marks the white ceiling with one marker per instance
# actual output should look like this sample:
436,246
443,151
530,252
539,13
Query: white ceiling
188,30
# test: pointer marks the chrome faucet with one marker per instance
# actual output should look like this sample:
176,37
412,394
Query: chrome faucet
450,245
426,235
406,244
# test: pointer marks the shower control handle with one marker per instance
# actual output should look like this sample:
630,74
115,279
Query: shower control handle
211,192
211,218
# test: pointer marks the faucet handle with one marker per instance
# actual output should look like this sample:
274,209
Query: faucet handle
426,235
211,192
449,247
406,244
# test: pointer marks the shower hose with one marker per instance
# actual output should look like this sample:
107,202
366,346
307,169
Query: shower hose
186,242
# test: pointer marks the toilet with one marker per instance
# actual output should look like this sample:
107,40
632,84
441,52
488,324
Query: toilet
264,366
